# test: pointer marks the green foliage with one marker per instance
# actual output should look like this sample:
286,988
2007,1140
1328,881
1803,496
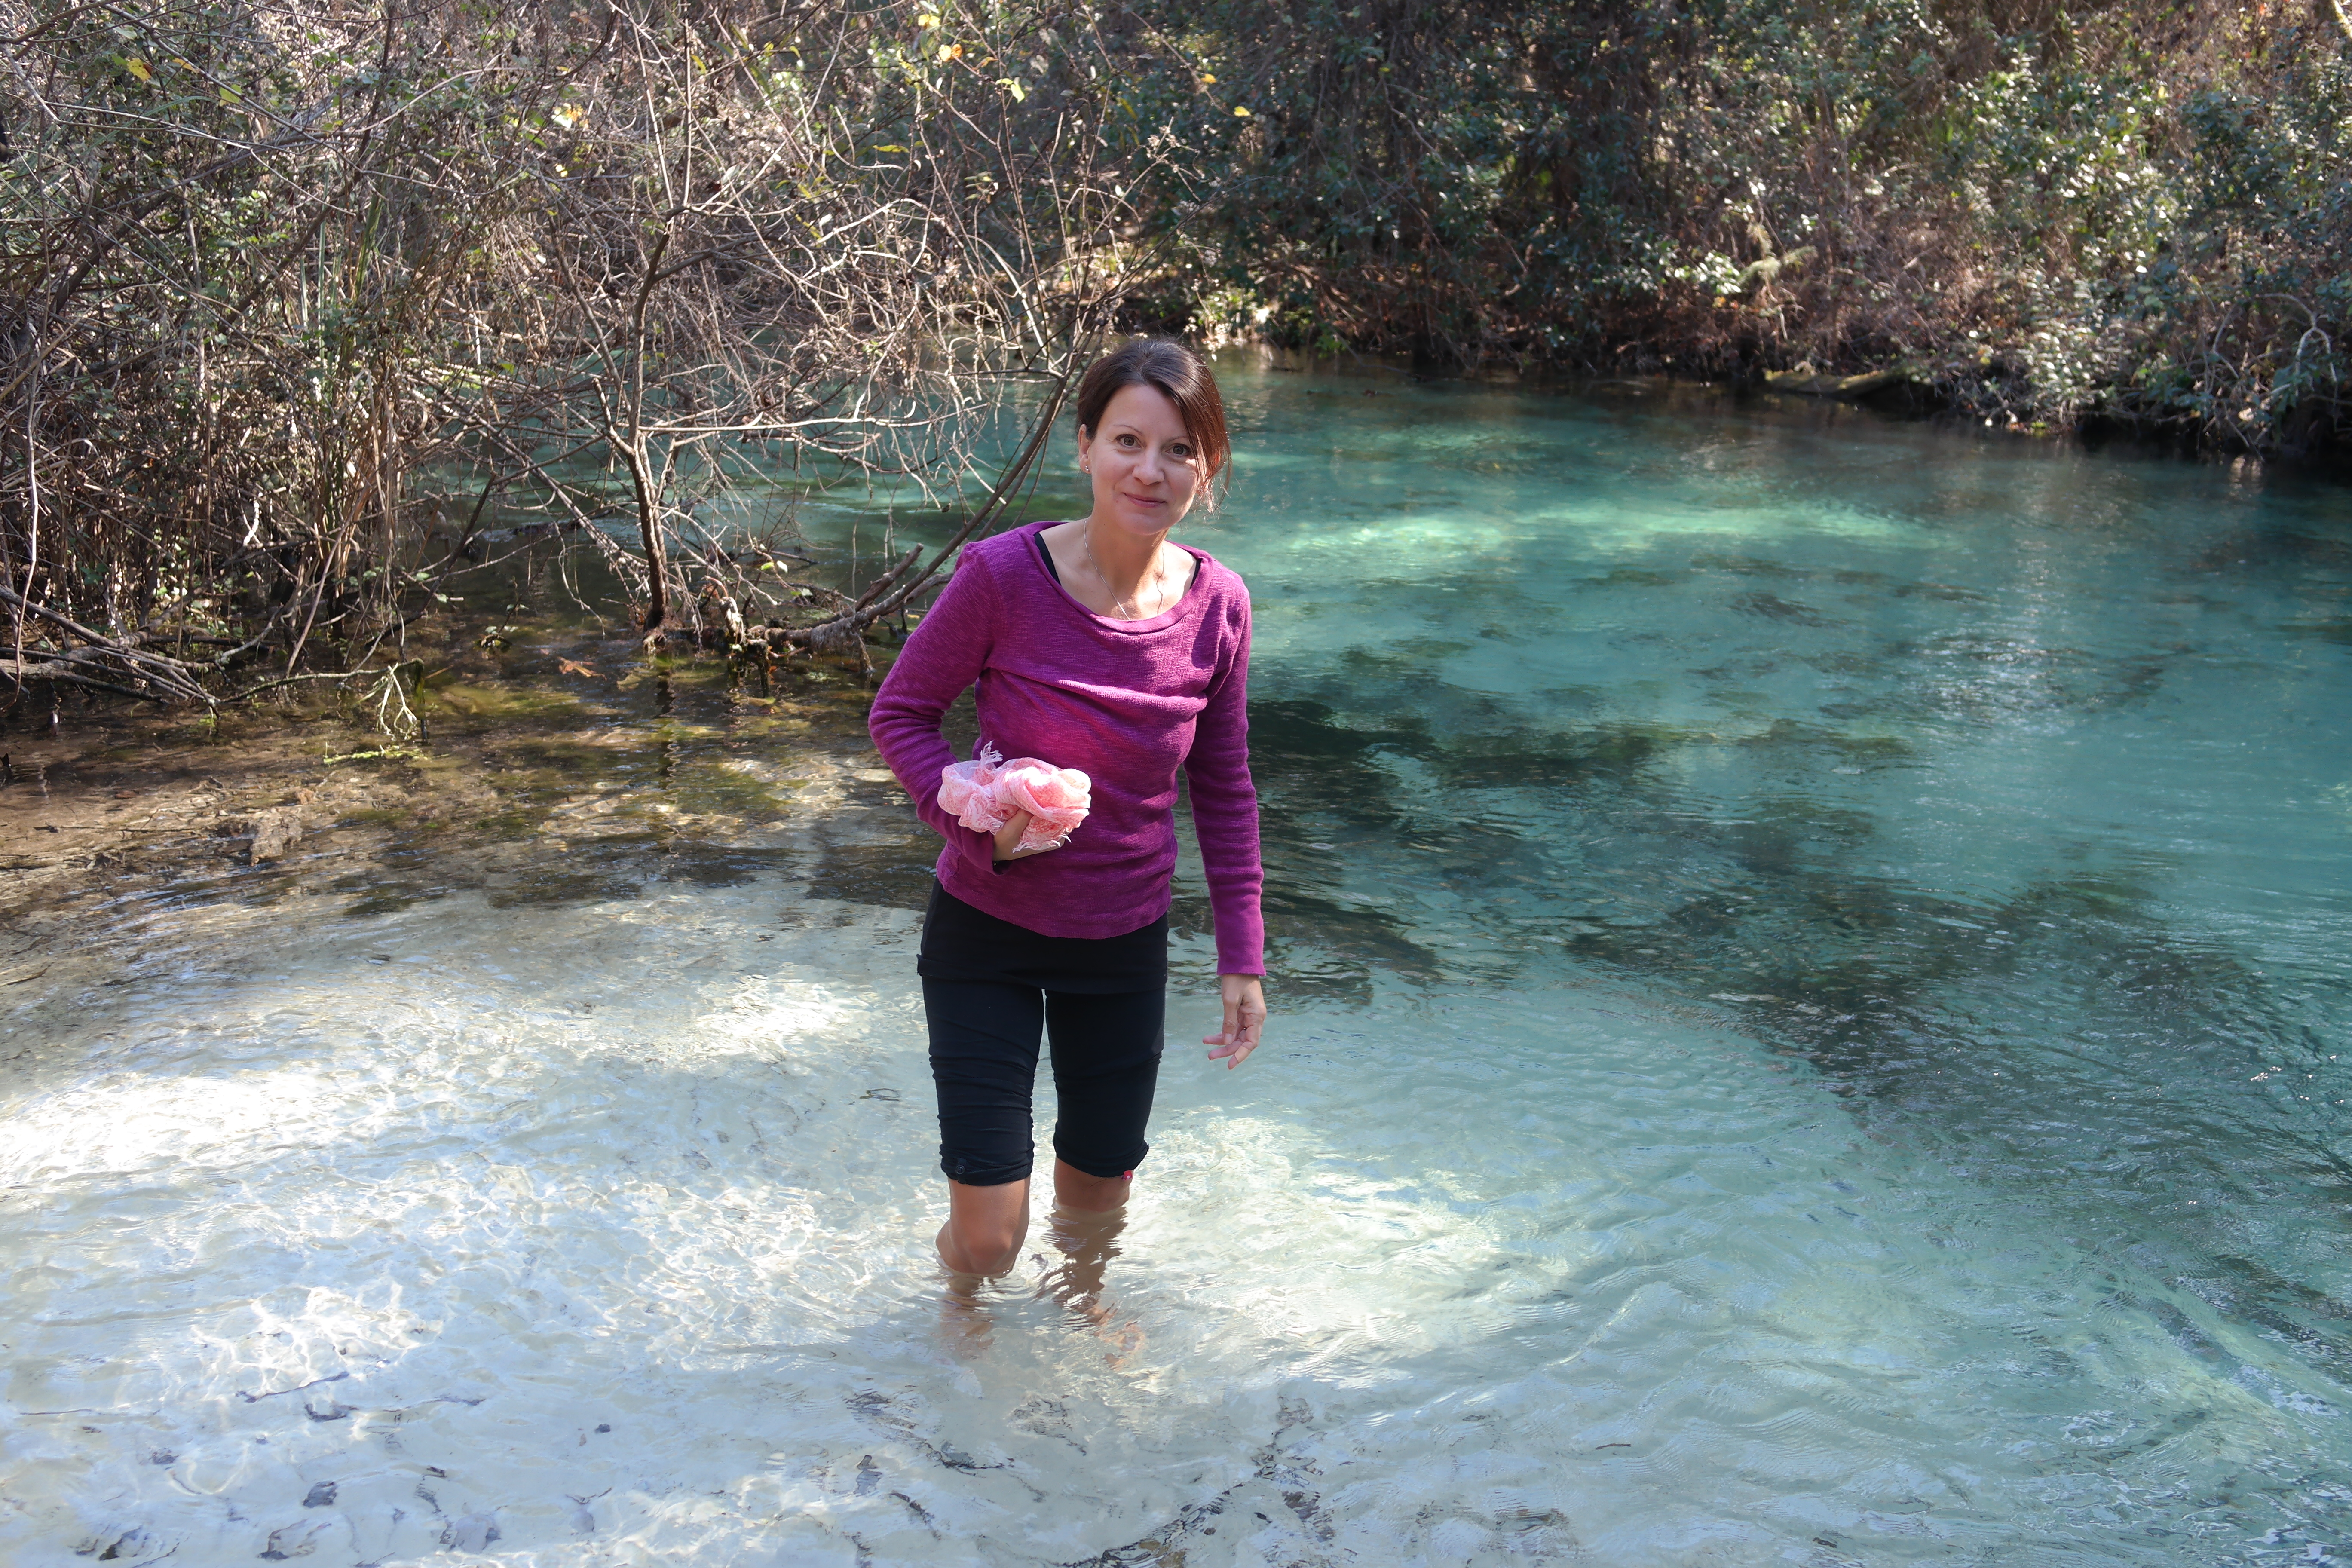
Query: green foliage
2131,210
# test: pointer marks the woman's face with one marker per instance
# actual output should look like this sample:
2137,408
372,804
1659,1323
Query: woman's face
1145,463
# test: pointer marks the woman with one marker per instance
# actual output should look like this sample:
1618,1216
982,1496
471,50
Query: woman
1099,645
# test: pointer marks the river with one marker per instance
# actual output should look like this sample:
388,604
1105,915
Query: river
1810,961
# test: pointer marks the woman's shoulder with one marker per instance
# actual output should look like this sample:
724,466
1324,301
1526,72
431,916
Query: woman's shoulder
1001,557
997,549
991,565
1220,584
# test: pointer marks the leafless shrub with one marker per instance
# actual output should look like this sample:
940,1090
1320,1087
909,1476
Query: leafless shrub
293,295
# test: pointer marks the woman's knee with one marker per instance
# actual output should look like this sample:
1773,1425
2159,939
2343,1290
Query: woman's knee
988,1254
986,1225
993,1252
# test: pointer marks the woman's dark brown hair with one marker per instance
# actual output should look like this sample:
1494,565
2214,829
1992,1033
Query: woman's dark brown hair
1179,376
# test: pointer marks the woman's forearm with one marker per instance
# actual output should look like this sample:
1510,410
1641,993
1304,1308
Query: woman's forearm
1225,818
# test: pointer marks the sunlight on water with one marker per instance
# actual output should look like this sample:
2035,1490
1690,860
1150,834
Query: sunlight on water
1810,981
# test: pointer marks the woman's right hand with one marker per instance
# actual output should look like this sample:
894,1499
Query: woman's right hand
1008,840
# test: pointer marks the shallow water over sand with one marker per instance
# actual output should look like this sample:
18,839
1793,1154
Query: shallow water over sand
1810,976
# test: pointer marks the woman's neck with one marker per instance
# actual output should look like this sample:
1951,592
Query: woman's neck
1124,557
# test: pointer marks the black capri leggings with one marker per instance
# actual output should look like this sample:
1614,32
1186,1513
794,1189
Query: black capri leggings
990,989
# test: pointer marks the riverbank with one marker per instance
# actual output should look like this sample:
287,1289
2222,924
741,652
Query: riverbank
1955,396
2128,216
562,765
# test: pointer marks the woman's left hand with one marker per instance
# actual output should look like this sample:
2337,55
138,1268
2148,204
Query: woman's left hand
1244,997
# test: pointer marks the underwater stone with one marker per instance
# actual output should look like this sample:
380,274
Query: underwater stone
273,833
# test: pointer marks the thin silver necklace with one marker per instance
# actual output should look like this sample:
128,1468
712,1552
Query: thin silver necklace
1087,543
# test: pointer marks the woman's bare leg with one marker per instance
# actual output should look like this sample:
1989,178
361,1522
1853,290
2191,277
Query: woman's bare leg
1086,1236
985,1227
1089,1217
1074,1189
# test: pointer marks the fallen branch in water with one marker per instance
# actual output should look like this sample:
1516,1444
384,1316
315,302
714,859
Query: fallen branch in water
23,671
151,676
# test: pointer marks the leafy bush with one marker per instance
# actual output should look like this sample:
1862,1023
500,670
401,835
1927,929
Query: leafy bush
2051,212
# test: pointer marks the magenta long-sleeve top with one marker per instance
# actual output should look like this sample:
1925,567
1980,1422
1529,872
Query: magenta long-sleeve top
1125,703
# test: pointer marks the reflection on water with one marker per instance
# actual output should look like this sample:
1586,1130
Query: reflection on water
1812,982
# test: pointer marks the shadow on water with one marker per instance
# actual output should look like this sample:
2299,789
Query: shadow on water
2062,1039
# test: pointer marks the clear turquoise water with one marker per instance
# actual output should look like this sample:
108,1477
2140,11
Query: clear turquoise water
1810,975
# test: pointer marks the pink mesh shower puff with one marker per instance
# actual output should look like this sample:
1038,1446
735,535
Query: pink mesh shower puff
968,790
1056,799
985,794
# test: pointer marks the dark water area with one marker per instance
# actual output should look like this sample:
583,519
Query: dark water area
1809,979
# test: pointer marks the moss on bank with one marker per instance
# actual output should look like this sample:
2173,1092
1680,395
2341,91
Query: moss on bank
562,765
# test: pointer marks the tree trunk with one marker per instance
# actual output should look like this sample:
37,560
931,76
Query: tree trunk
649,528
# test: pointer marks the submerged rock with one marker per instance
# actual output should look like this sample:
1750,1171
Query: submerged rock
275,832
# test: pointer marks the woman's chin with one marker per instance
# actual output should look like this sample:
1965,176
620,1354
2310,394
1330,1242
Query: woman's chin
1146,518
